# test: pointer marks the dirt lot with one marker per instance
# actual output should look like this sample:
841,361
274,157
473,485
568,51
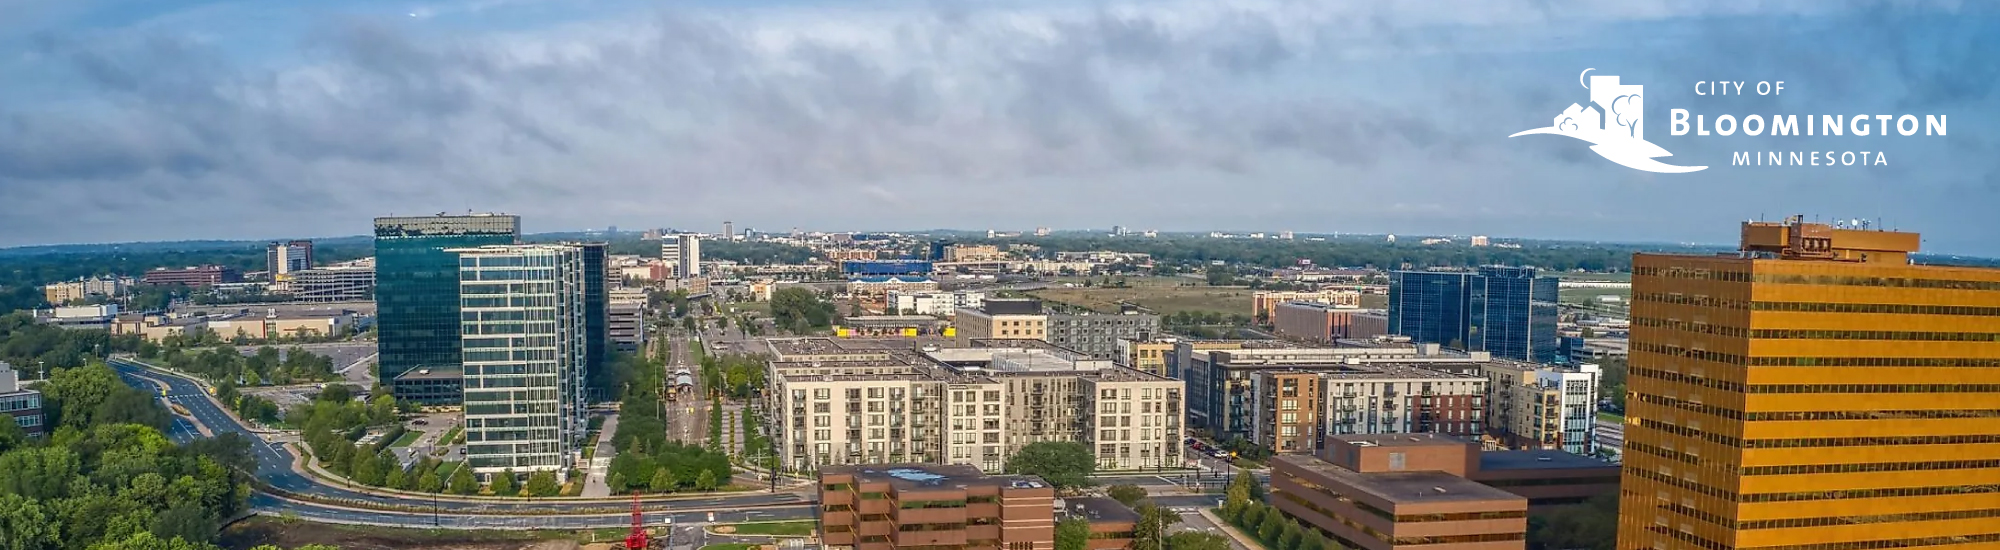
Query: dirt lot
255,531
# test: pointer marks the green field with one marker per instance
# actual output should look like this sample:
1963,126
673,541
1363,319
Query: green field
408,438
778,528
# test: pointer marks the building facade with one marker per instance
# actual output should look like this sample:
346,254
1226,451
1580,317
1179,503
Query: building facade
851,401
627,321
1313,322
1097,334
1531,406
1815,390
416,293
683,253
1508,311
198,276
933,507
1263,303
525,350
22,406
283,258
350,283
1386,501
1005,319
940,304
1362,391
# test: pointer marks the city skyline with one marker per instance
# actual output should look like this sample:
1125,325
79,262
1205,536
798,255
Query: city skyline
1367,117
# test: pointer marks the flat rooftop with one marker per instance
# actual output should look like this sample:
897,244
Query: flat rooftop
1540,459
931,476
1099,510
1404,487
1401,440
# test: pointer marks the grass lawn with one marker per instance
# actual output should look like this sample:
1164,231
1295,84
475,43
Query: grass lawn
451,436
445,468
781,528
1608,417
1162,299
408,438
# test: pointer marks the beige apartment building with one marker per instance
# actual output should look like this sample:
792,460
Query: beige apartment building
1534,406
871,401
1263,302
1003,319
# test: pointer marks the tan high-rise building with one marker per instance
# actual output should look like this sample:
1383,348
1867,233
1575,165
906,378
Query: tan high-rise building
1814,392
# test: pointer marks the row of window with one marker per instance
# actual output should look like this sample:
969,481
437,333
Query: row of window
1881,441
1816,334
1789,279
1962,540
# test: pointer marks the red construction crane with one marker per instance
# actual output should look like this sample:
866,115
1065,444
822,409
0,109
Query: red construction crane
636,540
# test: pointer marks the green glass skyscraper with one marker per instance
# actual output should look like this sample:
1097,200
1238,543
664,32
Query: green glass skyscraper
417,300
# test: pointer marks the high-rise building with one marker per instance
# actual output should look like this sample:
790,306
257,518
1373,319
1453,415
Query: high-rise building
1508,311
285,257
683,252
526,346
1814,391
728,231
596,309
416,296
1532,406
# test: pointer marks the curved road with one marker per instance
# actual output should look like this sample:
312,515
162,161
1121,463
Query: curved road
274,466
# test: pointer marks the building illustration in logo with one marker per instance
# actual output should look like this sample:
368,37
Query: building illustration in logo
1615,125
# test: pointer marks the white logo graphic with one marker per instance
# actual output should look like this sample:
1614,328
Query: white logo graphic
1615,125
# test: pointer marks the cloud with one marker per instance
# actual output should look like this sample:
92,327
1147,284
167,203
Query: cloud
574,122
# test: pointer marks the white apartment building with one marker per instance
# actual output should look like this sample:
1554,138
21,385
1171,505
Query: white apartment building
857,401
626,320
1543,406
939,304
522,327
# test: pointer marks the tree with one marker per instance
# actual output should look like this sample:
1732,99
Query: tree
663,481
1194,540
1151,531
1272,524
23,524
543,484
1065,464
503,484
1129,495
1072,534
616,481
187,522
1236,498
706,481
397,479
430,482
1291,537
1250,517
462,482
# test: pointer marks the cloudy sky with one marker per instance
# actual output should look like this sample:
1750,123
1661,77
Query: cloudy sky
171,119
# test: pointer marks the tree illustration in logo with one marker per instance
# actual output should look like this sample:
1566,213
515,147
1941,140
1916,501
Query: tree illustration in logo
1628,111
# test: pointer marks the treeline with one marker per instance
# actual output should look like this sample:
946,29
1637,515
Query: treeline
29,345
1244,507
228,364
738,376
799,309
647,460
23,270
744,252
1354,252
108,479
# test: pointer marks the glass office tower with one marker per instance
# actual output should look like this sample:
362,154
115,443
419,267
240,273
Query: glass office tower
416,298
1506,311
1513,314
596,314
1431,306
523,312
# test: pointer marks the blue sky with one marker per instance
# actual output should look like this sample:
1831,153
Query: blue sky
148,120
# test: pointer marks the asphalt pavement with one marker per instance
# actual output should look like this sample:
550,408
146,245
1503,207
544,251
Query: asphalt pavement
274,466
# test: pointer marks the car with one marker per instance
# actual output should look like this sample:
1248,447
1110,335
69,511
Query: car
420,422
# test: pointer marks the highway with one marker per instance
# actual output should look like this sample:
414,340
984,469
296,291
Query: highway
274,467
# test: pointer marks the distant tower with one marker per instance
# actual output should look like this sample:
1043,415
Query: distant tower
1392,238
728,231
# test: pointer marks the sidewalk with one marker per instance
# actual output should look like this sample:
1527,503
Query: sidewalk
1227,529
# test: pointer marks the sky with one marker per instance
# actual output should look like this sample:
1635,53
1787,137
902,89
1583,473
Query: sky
142,120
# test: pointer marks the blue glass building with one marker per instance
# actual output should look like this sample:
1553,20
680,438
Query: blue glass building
417,301
1507,311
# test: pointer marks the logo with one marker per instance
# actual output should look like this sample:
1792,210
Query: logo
1614,124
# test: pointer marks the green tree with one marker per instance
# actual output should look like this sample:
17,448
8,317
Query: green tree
462,482
1272,524
616,482
1236,499
1197,540
1129,495
1151,531
23,524
1250,517
382,409
430,483
365,469
705,481
503,484
542,484
663,481
188,521
1065,464
1072,534
397,479
1291,537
